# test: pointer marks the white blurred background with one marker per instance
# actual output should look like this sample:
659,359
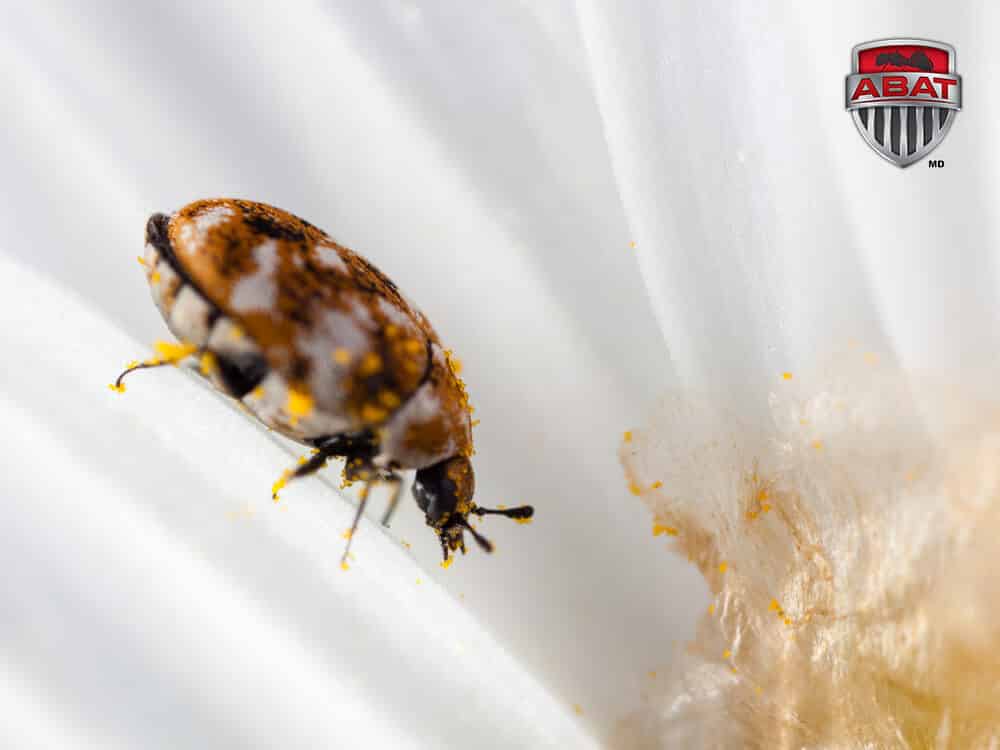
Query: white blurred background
498,160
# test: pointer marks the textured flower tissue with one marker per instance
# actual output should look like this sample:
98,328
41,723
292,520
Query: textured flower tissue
851,549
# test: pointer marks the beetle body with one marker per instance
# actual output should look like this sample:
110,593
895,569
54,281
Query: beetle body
320,346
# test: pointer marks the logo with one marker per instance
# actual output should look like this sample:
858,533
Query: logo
903,95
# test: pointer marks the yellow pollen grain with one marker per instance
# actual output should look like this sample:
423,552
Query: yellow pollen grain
154,277
447,563
142,261
344,565
371,364
476,422
347,534
577,709
788,621
299,404
711,609
726,654
634,488
280,483
656,485
371,413
786,376
236,333
651,674
762,495
454,363
723,567
405,543
774,606
120,388
208,363
168,351
341,356
627,437
766,507
632,245
258,392
817,444
389,399
660,529
523,521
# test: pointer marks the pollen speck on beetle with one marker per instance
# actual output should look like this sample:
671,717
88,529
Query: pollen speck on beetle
320,346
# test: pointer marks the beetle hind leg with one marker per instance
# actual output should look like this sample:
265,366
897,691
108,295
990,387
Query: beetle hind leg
362,501
167,353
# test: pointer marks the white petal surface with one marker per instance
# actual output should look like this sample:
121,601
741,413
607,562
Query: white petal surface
496,159
462,154
152,601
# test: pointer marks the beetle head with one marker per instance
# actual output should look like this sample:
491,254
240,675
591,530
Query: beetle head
444,493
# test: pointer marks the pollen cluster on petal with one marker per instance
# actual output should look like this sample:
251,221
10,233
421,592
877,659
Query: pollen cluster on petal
865,610
659,529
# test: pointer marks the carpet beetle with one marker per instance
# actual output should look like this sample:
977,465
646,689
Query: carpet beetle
320,346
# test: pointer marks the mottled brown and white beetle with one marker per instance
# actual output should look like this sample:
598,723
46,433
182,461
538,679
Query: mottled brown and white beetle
320,346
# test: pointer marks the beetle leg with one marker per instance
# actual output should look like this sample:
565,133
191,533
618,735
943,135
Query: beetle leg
167,353
315,462
119,386
397,486
362,501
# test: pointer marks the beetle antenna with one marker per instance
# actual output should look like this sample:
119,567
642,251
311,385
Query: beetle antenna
482,541
520,513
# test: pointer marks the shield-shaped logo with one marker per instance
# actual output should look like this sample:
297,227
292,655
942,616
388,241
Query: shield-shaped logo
903,95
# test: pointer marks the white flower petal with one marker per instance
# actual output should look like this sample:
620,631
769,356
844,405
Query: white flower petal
156,596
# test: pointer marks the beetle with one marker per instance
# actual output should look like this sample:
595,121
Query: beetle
322,347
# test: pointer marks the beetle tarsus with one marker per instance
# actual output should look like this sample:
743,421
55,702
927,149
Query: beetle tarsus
133,368
362,501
